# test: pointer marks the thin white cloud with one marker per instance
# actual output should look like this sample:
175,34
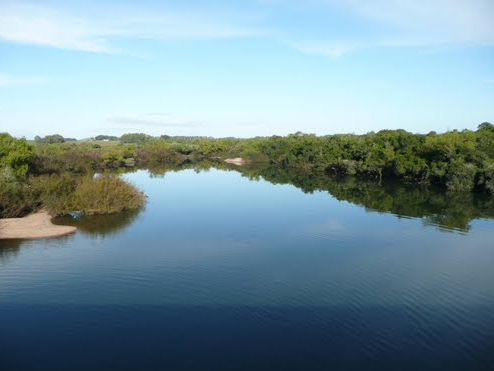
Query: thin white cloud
433,20
99,26
6,80
30,24
330,49
336,49
430,23
94,29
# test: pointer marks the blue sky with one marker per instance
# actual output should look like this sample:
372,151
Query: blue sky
244,68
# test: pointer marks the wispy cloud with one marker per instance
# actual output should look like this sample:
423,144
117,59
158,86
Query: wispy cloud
326,48
100,26
6,80
432,20
336,49
405,23
96,27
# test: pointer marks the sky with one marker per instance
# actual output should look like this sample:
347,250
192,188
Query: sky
244,68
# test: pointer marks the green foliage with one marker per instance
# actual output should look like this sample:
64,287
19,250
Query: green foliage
160,151
66,157
58,174
16,198
55,192
106,137
50,139
135,138
82,158
62,194
15,153
459,161
106,194
55,177
486,126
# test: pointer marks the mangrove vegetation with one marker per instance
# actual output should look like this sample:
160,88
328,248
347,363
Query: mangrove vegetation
64,175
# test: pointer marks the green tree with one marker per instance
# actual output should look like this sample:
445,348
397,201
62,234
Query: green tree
135,138
15,154
106,137
486,126
49,139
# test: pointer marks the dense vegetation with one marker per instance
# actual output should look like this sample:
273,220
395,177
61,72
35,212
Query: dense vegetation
135,138
106,137
27,183
65,193
52,139
458,161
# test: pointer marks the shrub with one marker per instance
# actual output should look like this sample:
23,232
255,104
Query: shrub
16,198
106,194
54,192
15,154
135,138
50,139
62,194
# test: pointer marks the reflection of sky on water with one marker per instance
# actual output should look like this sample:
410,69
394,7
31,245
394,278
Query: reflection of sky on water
214,255
280,245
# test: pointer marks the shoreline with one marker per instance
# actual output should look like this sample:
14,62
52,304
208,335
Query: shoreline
33,226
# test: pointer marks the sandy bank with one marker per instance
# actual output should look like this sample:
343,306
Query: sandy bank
33,226
236,161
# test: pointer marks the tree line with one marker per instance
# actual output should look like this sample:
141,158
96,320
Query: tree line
458,161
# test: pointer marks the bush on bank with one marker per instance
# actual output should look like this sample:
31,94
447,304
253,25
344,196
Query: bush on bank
106,194
54,173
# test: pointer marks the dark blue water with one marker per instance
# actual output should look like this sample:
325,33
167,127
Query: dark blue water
223,273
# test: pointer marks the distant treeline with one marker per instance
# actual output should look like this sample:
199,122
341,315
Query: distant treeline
460,161
130,138
53,139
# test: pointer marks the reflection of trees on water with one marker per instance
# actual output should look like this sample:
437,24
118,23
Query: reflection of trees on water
448,211
9,249
159,170
93,225
100,225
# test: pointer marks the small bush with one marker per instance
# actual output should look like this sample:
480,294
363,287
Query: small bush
55,192
16,198
62,194
106,195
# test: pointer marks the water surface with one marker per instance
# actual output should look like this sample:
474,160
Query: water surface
224,270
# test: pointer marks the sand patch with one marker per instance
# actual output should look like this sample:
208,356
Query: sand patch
33,226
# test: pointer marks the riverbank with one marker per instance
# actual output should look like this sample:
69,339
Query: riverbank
34,226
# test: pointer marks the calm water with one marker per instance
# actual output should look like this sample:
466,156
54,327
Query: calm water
222,272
